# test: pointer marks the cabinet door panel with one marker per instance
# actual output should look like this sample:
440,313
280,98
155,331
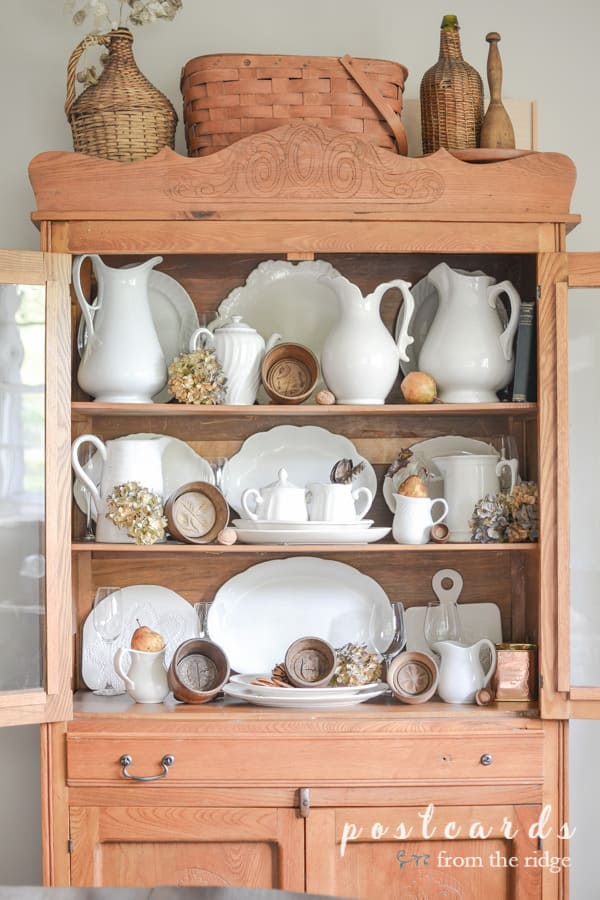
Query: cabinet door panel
35,609
143,847
369,867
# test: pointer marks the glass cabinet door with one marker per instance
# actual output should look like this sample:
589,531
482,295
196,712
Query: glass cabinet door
35,610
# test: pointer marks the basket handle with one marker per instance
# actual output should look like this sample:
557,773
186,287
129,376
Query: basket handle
357,73
88,41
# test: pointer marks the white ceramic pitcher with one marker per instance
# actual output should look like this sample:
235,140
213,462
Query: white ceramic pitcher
360,359
240,350
122,361
467,479
461,670
146,680
125,459
468,350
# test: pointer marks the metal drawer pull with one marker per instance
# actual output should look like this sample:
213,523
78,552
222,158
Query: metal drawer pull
166,761
487,759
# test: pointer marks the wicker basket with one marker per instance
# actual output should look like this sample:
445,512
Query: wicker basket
122,117
230,96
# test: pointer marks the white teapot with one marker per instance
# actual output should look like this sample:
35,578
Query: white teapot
280,501
240,350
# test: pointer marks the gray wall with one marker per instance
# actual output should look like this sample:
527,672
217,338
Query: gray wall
547,56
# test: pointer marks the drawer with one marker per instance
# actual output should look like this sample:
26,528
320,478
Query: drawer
285,758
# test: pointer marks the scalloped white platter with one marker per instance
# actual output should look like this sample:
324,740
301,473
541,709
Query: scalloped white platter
287,298
332,535
174,316
257,614
308,453
267,690
284,701
157,607
180,465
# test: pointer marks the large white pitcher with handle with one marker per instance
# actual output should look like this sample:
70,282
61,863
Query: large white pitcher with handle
122,460
468,350
122,361
461,670
360,359
468,478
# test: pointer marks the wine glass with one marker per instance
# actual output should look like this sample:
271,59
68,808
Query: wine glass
202,609
107,617
390,634
442,623
506,447
89,534
217,464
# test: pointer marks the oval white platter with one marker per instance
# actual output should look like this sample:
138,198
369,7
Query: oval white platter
423,453
157,607
267,690
257,614
174,316
333,535
314,525
180,465
237,692
308,452
287,298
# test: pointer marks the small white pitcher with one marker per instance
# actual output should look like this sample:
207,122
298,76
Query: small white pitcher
127,459
413,520
461,670
328,502
146,680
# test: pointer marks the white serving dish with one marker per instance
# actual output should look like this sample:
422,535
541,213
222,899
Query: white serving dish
331,535
257,614
423,453
174,316
284,701
180,465
307,452
157,607
313,525
287,298
266,690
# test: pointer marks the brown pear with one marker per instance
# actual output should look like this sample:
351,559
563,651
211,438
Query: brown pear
418,387
143,638
413,486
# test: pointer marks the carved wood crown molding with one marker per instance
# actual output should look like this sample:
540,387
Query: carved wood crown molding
304,168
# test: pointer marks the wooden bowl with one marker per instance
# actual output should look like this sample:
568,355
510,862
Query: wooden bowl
413,677
310,662
198,671
289,373
196,513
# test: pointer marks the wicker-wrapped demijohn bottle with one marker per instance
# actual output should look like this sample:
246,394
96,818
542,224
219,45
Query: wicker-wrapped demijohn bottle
451,97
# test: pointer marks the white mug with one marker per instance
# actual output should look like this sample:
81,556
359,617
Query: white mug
413,519
329,502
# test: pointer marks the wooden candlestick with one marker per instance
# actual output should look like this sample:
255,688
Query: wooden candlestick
496,130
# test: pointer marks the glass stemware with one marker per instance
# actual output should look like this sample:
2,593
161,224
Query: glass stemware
218,464
390,634
202,609
442,623
89,534
108,622
506,447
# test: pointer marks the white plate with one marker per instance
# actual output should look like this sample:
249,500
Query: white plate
332,535
157,607
308,452
423,453
477,620
268,525
257,614
426,303
180,464
297,693
174,316
238,692
288,299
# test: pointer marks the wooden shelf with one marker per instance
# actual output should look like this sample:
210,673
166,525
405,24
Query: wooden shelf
286,549
145,410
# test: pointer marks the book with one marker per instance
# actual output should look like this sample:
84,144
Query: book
525,378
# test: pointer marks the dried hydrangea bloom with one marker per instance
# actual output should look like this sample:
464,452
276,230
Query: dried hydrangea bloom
356,666
507,518
197,377
137,510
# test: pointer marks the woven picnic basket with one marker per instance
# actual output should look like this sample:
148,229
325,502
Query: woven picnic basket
230,96
123,116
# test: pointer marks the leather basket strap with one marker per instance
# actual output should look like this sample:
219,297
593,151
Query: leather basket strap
370,89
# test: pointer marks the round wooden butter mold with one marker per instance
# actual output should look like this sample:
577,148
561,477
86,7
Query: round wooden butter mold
198,671
310,662
289,373
196,513
413,677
